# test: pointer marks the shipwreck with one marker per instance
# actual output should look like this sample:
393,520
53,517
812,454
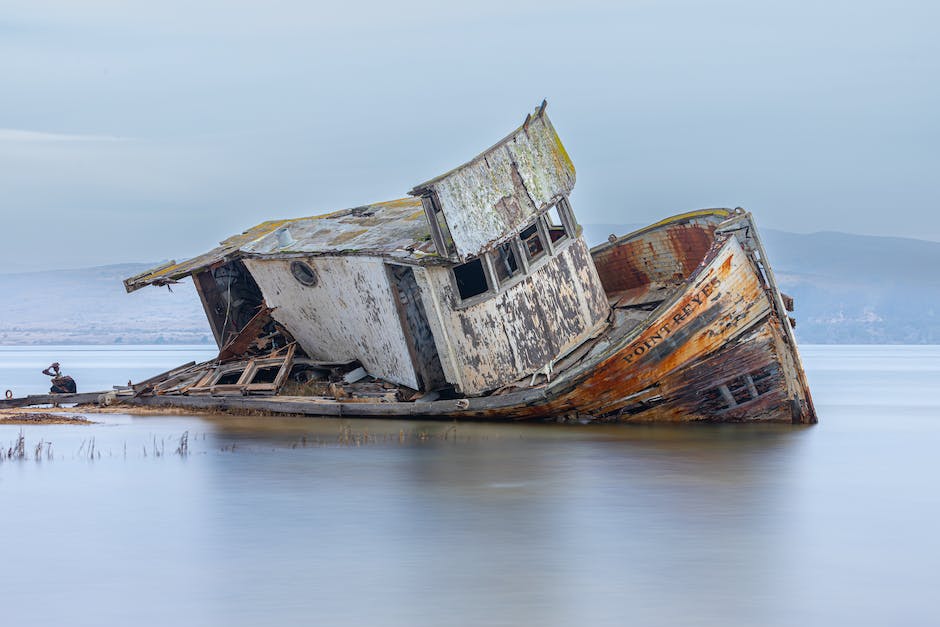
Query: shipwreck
477,297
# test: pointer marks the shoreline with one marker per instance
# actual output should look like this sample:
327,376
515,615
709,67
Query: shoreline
117,408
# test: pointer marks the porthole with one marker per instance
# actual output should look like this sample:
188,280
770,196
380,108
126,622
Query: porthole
304,273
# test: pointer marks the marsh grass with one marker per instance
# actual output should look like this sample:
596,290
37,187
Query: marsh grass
17,450
346,436
183,449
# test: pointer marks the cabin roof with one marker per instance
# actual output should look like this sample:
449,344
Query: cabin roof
396,228
503,189
555,159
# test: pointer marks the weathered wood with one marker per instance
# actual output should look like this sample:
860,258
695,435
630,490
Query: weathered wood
349,315
501,190
49,399
162,376
237,346
205,288
444,410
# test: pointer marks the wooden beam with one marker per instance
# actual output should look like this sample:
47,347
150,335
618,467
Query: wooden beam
50,399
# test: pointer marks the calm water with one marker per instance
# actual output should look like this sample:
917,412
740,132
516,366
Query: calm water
289,522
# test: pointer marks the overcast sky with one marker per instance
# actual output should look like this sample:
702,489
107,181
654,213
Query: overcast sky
145,131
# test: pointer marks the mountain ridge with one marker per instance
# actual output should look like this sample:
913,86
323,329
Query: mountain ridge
859,289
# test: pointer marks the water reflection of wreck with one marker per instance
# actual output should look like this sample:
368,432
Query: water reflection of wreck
478,298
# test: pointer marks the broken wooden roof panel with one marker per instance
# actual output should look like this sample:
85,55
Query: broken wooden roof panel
172,272
396,228
499,192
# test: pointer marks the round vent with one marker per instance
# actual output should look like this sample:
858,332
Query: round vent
303,273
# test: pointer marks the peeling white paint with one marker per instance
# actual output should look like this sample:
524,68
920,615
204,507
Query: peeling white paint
349,314
437,321
521,329
503,189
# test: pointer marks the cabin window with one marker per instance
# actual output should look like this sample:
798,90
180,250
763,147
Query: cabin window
556,225
471,279
532,242
506,262
304,273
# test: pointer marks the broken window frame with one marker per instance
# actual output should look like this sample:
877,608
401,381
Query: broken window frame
283,364
567,216
497,261
222,371
540,232
437,223
551,227
247,369
488,276
525,263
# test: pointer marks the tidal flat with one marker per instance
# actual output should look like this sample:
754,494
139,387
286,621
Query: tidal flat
202,520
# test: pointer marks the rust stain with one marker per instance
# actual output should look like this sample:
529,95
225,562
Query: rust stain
719,330
667,253
726,267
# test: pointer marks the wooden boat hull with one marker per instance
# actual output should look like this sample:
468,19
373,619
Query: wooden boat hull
718,351
719,347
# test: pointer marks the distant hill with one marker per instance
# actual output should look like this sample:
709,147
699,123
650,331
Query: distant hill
848,289
90,306
859,289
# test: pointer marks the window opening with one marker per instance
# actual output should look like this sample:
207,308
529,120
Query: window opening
556,226
471,279
505,261
532,242
229,378
267,374
304,273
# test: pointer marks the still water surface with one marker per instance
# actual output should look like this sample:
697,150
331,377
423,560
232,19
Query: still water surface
288,522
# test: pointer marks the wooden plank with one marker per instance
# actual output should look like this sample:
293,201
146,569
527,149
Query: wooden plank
445,410
163,375
204,285
228,389
237,346
285,367
49,399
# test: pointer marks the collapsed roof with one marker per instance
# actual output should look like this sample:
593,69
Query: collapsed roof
397,228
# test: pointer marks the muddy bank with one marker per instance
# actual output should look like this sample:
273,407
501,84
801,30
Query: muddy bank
20,417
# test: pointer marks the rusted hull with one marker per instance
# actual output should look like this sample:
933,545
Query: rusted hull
718,351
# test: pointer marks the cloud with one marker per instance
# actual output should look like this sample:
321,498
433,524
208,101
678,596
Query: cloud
19,135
